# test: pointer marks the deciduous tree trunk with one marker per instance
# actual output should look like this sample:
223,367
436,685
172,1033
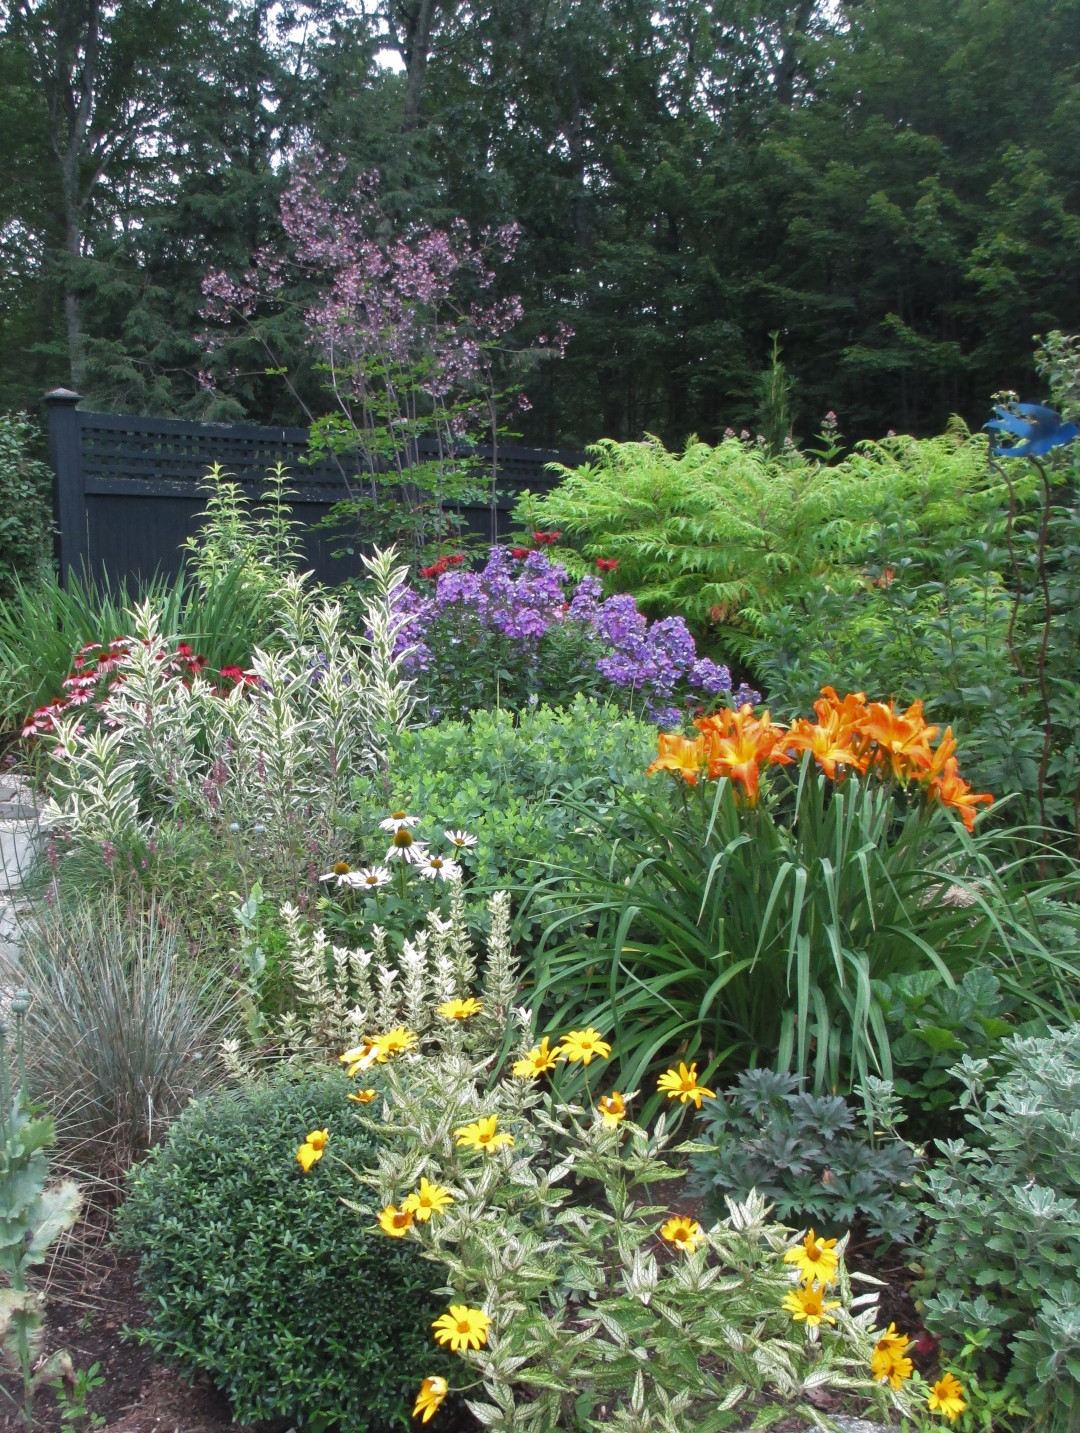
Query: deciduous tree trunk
417,46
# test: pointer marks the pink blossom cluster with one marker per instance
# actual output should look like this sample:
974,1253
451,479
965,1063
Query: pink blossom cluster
96,671
405,323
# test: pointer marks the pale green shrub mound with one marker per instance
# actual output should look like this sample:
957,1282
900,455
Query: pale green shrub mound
729,532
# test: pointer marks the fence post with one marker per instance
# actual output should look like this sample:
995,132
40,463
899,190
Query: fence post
69,499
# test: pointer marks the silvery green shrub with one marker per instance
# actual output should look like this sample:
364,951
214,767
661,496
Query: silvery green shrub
1002,1256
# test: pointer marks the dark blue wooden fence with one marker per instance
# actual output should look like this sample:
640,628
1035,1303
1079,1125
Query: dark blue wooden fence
127,489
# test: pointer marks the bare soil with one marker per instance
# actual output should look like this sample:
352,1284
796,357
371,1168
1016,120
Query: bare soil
91,1303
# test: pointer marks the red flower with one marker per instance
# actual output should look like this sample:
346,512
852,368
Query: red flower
520,551
456,559
547,537
607,564
232,674
183,650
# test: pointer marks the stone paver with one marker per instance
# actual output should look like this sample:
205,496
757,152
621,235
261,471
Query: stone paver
19,830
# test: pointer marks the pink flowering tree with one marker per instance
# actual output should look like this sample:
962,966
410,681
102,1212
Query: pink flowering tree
409,334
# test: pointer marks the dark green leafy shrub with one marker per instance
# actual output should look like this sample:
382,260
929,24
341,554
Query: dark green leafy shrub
256,1276
25,504
806,1155
1003,1246
933,1024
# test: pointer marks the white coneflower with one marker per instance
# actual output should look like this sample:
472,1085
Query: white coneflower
461,839
399,821
407,848
440,868
340,875
369,878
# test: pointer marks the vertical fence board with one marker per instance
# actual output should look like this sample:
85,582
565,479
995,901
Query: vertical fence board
69,503
127,491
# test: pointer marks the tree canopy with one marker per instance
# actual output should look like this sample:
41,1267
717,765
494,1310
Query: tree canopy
890,187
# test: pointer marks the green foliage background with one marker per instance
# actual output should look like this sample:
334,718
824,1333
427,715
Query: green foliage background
892,188
25,503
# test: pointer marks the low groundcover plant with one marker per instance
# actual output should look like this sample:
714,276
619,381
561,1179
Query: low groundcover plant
574,1298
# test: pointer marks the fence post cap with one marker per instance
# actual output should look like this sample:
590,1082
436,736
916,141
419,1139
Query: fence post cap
63,395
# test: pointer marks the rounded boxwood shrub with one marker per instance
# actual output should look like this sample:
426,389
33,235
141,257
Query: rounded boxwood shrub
256,1275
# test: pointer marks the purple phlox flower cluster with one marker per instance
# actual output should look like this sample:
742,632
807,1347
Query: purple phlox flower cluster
651,659
524,598
709,677
521,604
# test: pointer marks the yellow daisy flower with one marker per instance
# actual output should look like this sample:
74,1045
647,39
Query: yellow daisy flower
394,1042
815,1259
583,1045
613,1108
809,1304
481,1135
361,1057
537,1062
462,1327
682,1231
396,1222
888,1360
946,1397
460,1009
362,1097
429,1199
682,1085
432,1392
311,1151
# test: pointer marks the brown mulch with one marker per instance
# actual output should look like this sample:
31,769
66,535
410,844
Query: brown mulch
90,1302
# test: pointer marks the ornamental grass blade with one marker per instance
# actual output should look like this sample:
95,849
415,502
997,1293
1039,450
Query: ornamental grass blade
722,980
774,896
803,997
795,919
821,1053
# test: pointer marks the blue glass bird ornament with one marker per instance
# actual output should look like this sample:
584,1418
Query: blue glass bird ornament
1040,429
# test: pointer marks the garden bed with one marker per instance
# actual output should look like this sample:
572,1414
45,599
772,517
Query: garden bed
95,1304
90,1310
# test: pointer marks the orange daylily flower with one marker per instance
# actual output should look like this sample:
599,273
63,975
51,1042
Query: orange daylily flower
825,743
737,742
849,714
953,791
945,749
680,755
902,738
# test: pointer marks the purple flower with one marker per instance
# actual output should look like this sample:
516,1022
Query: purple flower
522,601
711,679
